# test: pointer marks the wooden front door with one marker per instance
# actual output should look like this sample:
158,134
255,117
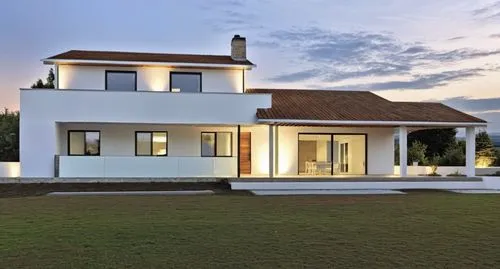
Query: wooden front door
245,153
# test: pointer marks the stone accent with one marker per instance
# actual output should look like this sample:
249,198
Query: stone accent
239,48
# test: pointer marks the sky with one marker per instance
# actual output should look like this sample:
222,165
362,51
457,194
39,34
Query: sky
403,50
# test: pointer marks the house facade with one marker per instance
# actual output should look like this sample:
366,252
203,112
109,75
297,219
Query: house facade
125,114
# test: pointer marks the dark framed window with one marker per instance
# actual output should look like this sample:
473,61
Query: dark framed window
123,81
216,144
151,143
84,143
185,82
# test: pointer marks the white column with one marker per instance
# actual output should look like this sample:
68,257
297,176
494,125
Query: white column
470,152
56,76
271,151
276,151
403,151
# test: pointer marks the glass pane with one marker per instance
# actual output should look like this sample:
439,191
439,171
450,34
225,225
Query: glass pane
92,143
117,81
208,144
159,143
315,154
76,143
143,143
224,144
185,82
351,154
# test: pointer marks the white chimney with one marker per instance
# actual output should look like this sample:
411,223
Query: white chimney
239,48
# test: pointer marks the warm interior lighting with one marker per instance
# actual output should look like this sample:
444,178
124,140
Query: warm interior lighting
159,139
284,161
156,78
162,152
483,162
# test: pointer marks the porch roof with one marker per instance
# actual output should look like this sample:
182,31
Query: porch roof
328,107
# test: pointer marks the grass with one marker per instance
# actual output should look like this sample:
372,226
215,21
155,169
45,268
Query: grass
418,230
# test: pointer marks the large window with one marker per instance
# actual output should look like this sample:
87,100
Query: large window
84,143
151,143
216,144
121,81
185,82
330,154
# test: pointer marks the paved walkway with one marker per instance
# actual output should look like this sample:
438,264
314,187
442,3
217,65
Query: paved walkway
129,193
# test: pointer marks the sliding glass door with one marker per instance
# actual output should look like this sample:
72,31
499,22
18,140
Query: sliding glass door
315,154
331,154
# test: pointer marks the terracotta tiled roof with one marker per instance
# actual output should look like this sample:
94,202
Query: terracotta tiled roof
332,105
147,57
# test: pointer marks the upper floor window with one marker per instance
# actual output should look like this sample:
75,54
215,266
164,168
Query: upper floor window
185,82
216,144
151,143
84,143
121,81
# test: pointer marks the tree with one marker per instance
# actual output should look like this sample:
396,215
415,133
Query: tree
416,153
485,151
50,81
437,140
497,155
454,155
9,136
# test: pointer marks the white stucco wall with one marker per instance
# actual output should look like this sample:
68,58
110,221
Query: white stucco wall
118,158
42,109
149,78
119,139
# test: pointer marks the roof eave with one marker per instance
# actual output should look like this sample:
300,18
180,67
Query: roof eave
374,123
141,63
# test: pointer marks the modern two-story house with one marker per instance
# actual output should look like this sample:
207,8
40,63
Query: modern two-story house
126,114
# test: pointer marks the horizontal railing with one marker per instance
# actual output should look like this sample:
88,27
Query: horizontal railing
141,107
149,167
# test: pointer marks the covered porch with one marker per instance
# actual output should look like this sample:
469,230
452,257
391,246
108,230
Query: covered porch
346,153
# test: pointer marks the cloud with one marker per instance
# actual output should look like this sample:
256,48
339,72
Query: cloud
426,81
495,36
297,76
474,105
487,109
456,38
488,12
486,9
230,15
341,55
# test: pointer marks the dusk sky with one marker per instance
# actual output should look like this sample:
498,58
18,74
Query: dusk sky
423,50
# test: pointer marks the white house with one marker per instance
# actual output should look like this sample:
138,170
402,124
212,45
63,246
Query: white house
127,114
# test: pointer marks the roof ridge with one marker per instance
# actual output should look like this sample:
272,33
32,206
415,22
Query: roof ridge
317,90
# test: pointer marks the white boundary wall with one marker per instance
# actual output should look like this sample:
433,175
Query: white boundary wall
10,169
445,170
449,184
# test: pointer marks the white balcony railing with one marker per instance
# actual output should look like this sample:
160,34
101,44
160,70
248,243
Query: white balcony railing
141,107
149,167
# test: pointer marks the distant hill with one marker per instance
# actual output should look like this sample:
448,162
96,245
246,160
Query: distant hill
496,139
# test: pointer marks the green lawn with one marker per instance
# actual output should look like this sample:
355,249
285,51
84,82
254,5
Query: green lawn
419,230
